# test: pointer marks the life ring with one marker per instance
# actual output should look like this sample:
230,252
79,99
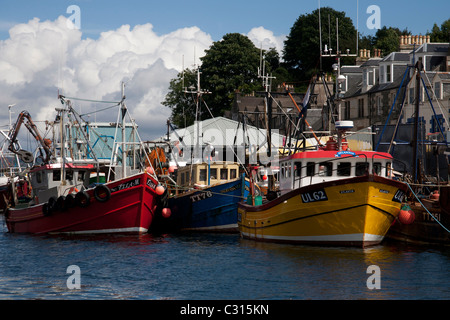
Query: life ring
102,193
82,199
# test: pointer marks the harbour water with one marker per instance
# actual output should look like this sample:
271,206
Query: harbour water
214,267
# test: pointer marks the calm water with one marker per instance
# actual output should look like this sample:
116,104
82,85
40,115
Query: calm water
213,267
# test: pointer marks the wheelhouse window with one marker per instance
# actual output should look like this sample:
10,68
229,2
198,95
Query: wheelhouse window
202,176
377,168
213,173
310,169
361,168
56,175
224,174
233,173
81,175
344,169
298,169
325,169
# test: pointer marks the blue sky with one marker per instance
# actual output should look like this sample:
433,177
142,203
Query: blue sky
220,17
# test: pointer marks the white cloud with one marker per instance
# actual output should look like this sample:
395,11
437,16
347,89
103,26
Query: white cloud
41,58
266,39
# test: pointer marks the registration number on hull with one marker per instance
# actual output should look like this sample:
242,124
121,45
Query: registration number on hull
314,196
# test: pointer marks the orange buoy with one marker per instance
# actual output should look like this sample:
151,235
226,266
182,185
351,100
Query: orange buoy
159,190
166,212
434,195
150,170
406,215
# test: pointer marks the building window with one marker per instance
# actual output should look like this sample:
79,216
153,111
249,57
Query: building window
437,90
360,108
347,110
379,108
370,78
411,95
388,73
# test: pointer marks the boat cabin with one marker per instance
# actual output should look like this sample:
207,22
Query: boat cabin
50,180
311,167
204,174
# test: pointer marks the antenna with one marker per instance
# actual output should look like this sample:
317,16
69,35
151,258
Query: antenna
266,79
10,112
320,38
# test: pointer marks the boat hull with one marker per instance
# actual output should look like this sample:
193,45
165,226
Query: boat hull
430,225
130,209
212,209
348,212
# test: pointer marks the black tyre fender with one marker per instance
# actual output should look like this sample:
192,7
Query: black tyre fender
52,204
60,203
82,199
102,193
69,201
46,210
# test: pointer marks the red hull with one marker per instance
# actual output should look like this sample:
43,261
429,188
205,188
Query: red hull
130,208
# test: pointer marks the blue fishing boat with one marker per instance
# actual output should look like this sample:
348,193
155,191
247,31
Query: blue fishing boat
205,198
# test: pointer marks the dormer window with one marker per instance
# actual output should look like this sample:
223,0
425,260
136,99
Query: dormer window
388,73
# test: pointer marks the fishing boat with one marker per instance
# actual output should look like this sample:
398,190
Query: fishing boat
425,218
64,199
205,201
328,196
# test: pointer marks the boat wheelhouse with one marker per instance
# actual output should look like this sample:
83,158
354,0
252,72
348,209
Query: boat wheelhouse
312,167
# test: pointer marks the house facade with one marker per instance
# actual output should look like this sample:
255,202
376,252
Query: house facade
383,85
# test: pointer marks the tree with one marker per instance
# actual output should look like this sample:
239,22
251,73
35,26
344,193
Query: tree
441,34
301,52
182,104
229,64
388,39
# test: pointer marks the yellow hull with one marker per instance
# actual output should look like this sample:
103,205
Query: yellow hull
357,212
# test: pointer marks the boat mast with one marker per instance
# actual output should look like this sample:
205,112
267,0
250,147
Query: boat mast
418,67
123,109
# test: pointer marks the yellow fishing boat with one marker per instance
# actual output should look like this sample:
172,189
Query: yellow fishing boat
328,196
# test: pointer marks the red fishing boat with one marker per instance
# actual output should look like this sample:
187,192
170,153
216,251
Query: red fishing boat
122,206
74,196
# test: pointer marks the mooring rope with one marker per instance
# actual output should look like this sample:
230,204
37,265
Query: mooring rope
426,208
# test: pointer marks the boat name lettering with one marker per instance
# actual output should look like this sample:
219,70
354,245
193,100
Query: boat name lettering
399,196
345,153
126,185
237,186
314,196
384,191
201,196
346,191
151,184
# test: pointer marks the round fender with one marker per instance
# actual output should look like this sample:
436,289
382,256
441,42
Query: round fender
52,204
60,203
69,201
45,210
82,199
102,193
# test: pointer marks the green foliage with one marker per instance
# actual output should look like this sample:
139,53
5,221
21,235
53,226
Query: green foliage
301,52
229,64
183,105
441,34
